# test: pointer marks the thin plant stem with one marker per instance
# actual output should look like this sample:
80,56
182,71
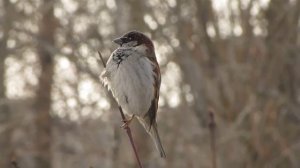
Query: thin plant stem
128,130
212,129
14,164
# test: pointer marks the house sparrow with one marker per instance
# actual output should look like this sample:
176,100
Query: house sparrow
132,74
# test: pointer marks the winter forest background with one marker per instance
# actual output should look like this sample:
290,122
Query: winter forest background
239,58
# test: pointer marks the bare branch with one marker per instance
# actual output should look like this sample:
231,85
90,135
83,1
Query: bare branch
212,128
128,130
102,60
14,164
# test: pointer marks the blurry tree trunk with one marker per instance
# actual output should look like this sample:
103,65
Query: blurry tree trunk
187,60
137,9
205,15
121,21
282,37
245,19
4,110
193,76
43,95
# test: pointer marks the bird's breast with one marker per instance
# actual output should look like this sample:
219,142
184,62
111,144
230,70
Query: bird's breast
131,82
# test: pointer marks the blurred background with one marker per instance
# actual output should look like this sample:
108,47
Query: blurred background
239,58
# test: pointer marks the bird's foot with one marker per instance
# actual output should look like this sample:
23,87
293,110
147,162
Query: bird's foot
127,122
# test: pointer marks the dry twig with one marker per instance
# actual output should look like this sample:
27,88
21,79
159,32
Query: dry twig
212,128
14,164
127,128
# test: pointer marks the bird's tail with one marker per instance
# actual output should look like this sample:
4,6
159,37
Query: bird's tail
155,136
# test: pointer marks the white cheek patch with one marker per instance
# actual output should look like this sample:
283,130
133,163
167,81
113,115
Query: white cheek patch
142,49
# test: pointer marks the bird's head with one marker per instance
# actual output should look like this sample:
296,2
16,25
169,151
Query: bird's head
134,39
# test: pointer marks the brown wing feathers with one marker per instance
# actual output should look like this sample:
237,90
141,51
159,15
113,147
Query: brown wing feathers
154,104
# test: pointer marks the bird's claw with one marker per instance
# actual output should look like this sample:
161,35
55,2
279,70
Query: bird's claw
126,123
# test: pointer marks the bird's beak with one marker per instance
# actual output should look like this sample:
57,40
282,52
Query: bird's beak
119,41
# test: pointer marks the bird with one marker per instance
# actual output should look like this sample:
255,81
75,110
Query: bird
133,76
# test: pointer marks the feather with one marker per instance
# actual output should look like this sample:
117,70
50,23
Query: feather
156,85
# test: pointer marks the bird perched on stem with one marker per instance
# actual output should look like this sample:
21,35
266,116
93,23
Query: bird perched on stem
132,74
